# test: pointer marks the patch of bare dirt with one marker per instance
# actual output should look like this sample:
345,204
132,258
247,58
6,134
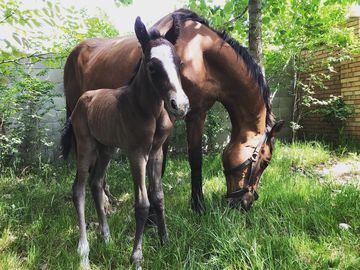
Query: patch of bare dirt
342,172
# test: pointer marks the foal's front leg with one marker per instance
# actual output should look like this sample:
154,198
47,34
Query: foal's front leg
142,205
97,182
154,169
83,164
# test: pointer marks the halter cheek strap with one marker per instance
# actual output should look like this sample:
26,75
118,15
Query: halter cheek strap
252,179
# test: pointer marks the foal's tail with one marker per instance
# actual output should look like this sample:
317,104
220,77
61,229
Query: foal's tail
67,137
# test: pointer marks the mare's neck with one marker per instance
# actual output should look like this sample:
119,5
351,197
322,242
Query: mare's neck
240,94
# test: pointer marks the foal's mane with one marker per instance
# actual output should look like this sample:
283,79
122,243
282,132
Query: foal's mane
185,15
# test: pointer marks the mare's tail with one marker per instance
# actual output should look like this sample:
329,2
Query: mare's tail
67,138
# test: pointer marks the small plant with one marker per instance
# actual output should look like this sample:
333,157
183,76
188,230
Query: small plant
334,110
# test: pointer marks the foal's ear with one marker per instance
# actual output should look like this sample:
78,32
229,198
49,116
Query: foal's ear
141,33
276,128
173,33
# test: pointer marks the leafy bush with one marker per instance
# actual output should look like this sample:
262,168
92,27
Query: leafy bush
24,103
26,98
334,110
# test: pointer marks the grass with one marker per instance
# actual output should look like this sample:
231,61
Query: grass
294,224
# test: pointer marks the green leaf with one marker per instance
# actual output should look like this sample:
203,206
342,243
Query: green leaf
228,8
266,20
275,10
16,38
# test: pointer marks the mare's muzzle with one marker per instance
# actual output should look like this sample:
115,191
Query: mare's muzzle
242,199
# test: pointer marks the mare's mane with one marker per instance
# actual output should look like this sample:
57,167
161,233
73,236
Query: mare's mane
185,15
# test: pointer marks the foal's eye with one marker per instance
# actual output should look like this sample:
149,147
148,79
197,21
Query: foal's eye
151,67
154,66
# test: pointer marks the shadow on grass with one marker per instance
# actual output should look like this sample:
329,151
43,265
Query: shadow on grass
294,225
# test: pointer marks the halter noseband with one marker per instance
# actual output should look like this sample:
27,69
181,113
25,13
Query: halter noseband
252,179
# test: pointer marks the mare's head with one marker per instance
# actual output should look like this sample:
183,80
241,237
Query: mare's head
243,179
163,66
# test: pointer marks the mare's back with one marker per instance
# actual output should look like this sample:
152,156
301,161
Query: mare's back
112,64
100,63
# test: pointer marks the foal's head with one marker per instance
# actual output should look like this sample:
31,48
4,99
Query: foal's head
163,66
243,179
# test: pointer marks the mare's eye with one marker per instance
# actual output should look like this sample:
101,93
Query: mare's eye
264,164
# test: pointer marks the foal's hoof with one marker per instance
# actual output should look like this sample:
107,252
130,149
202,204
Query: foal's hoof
107,239
136,258
85,264
163,239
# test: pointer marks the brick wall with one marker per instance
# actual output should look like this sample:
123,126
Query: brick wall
345,81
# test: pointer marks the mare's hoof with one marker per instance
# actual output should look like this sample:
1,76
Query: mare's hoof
198,207
151,221
107,204
113,201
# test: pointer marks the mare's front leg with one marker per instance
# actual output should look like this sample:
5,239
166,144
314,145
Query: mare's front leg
194,128
142,204
154,170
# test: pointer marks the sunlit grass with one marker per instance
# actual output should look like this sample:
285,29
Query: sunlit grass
293,225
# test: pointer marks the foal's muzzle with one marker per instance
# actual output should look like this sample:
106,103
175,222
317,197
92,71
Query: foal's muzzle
179,107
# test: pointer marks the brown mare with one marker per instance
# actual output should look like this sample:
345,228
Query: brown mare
215,68
135,119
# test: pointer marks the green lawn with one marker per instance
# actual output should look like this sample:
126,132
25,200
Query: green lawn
293,225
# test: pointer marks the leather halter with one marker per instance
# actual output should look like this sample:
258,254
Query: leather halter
252,179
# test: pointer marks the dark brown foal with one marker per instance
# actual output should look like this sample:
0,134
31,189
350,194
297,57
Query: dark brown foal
135,119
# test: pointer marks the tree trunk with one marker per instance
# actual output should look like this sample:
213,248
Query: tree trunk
255,39
2,126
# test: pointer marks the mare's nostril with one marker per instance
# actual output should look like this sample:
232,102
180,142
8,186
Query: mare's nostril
173,104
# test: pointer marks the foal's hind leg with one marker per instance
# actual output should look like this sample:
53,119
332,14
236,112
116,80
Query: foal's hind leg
97,183
154,170
85,156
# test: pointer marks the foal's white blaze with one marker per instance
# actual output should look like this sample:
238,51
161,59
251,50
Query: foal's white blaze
163,52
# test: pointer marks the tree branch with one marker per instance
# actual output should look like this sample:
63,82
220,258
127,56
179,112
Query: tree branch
7,17
238,17
41,56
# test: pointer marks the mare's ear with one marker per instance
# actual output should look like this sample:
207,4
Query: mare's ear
173,33
141,33
276,128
